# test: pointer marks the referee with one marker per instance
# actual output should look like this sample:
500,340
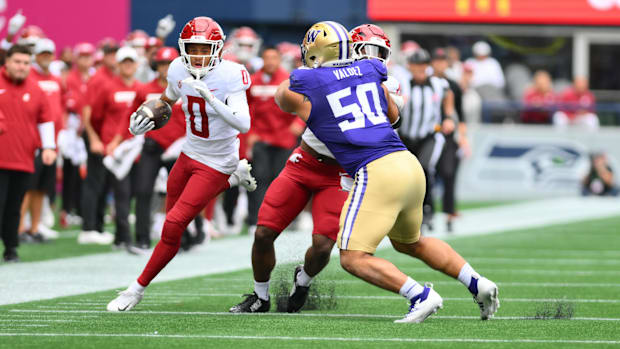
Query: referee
428,114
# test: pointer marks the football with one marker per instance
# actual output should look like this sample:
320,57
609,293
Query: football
156,110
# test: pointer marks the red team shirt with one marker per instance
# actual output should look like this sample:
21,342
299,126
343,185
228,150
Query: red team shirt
22,107
538,106
55,91
174,129
575,101
114,101
271,124
93,90
77,89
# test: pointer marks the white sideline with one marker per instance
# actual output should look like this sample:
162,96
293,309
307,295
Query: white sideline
330,315
23,282
321,339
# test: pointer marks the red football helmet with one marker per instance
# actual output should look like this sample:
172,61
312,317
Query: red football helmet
166,54
153,42
206,31
245,43
370,41
30,35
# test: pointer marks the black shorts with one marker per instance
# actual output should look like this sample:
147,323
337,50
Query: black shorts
44,177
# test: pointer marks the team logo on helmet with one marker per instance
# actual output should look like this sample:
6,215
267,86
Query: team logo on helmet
312,34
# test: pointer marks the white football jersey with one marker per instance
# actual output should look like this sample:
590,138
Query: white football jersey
210,140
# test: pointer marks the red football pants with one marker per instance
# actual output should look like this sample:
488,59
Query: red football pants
191,185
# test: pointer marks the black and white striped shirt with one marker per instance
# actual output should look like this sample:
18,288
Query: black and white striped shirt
423,111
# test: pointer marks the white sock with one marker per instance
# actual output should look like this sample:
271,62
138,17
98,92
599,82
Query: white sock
466,273
233,180
262,290
303,279
135,287
410,289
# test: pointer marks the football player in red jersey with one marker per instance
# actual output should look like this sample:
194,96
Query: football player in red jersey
244,46
213,95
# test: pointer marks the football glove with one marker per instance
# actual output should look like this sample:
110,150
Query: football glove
139,125
165,26
16,22
201,88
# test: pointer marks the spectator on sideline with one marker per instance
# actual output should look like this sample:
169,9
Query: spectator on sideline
455,66
600,179
577,106
92,204
487,70
274,133
455,146
70,143
472,102
26,123
539,100
115,100
43,181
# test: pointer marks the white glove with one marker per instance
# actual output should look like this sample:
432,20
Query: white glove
139,125
201,88
398,100
16,22
165,26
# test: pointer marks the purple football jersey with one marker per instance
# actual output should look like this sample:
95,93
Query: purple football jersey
349,111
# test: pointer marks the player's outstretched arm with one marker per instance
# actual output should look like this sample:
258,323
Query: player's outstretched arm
292,102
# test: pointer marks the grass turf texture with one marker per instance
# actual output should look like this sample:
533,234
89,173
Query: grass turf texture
560,264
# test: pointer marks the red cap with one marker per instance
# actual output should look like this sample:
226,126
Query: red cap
166,54
84,48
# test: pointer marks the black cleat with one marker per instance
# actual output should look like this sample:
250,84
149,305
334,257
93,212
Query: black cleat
251,304
298,295
10,256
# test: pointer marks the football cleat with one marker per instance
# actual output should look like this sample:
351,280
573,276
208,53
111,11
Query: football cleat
252,304
486,297
94,237
125,301
423,305
246,179
299,294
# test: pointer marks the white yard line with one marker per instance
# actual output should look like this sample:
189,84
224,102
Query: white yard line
331,315
105,271
318,339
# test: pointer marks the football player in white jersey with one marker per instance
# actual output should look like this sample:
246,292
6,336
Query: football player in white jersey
311,173
216,111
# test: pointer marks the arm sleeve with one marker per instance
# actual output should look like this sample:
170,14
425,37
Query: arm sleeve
235,111
46,132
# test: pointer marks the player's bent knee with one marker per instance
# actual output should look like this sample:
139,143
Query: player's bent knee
264,235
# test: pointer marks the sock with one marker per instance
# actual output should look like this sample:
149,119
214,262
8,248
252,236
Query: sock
136,287
303,279
164,251
410,289
233,180
262,289
469,278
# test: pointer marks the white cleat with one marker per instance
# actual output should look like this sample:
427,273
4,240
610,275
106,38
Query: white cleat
125,301
94,237
246,179
487,298
423,305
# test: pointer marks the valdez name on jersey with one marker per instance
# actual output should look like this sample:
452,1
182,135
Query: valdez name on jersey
210,140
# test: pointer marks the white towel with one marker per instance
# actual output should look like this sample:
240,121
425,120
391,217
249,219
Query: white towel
123,157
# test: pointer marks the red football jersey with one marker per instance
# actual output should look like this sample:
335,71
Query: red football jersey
270,123
572,102
22,107
55,91
115,100
77,89
174,129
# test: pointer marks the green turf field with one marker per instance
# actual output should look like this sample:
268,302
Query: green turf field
560,270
